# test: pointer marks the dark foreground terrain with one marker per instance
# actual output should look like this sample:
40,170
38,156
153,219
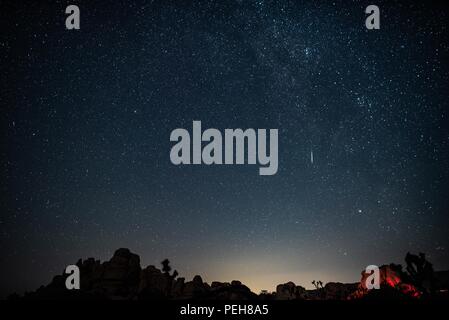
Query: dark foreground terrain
122,278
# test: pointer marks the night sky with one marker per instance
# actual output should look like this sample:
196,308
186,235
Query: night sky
86,117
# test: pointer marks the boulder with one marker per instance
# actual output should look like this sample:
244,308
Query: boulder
120,276
154,284
339,291
195,288
289,291
177,288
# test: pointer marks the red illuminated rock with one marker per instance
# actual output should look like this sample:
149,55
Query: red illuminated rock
391,277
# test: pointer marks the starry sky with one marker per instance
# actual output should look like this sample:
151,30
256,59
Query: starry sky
87,114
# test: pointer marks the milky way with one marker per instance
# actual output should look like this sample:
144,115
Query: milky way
87,115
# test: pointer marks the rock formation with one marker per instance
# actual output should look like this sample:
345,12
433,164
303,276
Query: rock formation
393,282
290,291
123,278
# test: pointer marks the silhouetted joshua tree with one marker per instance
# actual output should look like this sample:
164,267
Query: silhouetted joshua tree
317,284
420,272
170,278
166,269
319,287
166,266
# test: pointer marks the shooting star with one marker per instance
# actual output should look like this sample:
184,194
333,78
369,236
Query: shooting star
311,156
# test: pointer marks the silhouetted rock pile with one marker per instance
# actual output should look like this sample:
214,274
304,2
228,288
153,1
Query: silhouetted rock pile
123,278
